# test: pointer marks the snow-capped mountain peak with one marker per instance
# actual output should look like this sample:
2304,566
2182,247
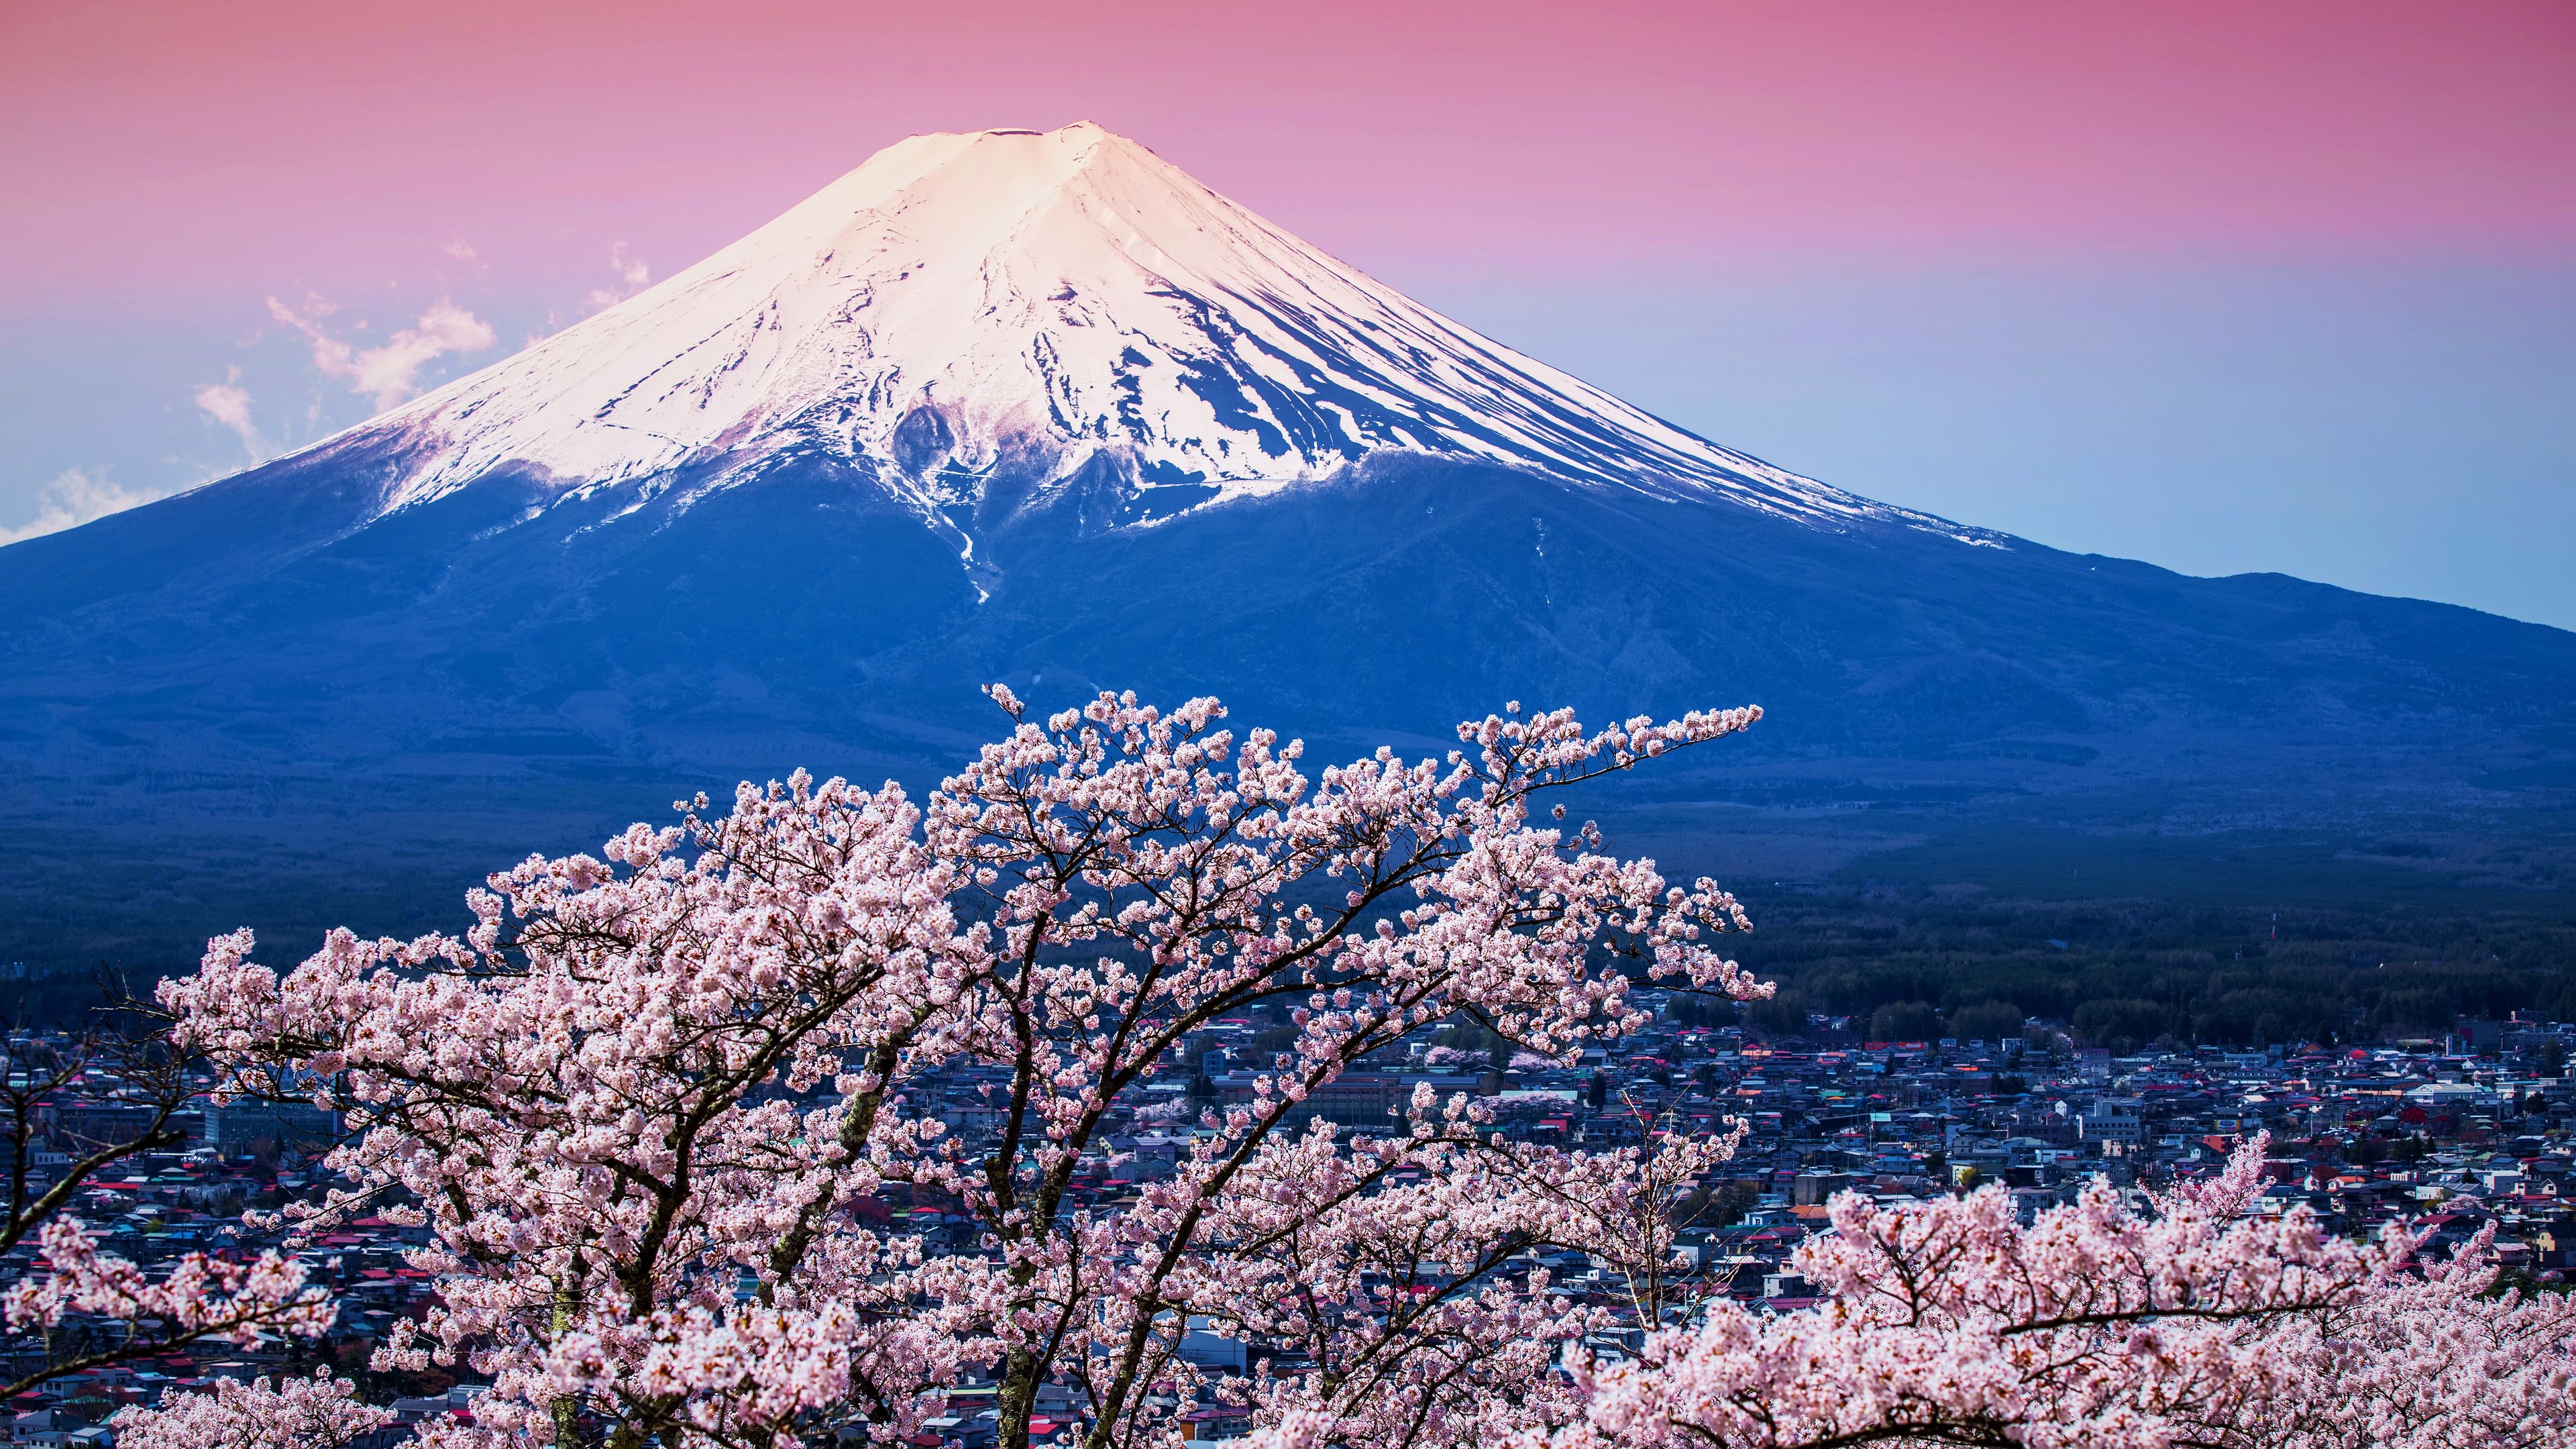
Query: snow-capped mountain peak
1046,299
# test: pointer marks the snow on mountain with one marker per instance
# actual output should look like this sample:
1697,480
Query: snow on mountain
965,303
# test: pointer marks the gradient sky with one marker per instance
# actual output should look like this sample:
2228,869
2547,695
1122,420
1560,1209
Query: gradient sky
2223,286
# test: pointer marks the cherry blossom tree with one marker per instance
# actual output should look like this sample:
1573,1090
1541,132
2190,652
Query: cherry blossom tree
653,1104
642,1101
2105,1322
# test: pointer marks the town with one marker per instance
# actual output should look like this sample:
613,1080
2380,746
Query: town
2451,1136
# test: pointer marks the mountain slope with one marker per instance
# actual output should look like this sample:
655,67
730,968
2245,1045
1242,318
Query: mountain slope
1040,408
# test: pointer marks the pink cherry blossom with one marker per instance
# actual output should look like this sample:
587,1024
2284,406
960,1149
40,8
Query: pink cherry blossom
320,1412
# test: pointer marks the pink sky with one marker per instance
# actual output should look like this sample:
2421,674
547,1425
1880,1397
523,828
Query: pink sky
177,152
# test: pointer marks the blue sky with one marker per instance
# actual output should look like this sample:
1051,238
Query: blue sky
2395,428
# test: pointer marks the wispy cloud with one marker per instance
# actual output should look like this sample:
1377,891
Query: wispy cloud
228,403
390,372
74,497
632,277
457,249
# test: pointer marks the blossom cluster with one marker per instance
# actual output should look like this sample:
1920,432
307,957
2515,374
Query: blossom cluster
320,1412
200,1296
2180,1321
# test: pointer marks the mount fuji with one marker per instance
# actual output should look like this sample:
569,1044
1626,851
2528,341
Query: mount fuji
1040,408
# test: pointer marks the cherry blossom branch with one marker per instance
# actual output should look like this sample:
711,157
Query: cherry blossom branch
199,1297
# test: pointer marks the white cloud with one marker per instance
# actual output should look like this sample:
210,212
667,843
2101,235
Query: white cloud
458,249
632,277
228,403
71,498
390,372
